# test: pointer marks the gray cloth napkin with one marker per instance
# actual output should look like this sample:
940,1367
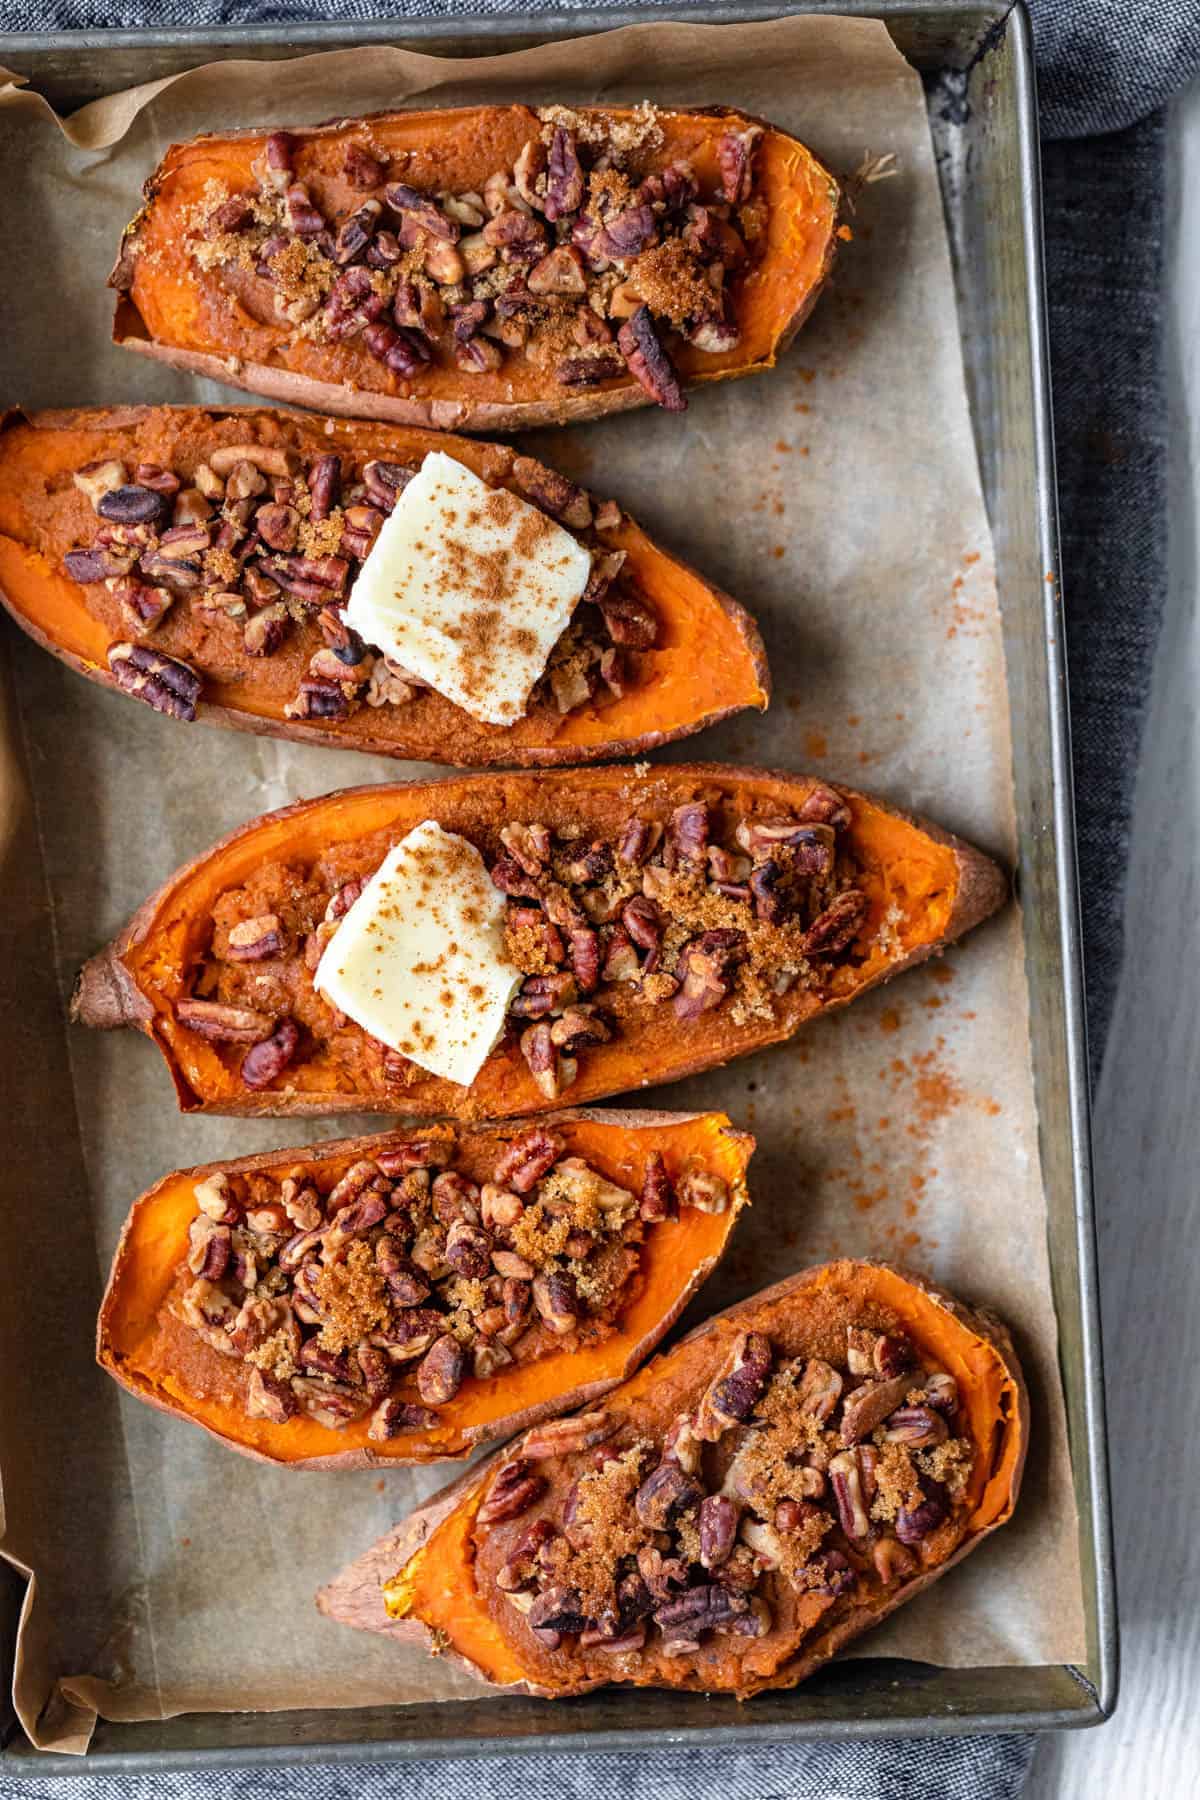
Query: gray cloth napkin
1106,71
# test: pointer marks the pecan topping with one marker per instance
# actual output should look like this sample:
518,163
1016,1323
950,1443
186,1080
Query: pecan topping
441,1370
394,1416
915,1523
253,939
563,1437
658,1196
163,682
735,152
648,362
918,1426
557,1302
267,1060
869,1405
719,1518
564,176
667,1491
224,1024
845,1475
837,926
527,1159
732,1396
426,213
819,1389
133,505
514,1489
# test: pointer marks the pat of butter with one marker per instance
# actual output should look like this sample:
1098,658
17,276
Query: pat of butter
419,959
470,587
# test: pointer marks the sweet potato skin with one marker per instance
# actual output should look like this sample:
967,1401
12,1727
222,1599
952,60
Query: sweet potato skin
677,694
108,993
261,362
618,1128
355,1598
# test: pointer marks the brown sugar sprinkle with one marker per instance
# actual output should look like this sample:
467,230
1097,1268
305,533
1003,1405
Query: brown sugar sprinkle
348,1290
352,1299
763,1492
671,282
605,1529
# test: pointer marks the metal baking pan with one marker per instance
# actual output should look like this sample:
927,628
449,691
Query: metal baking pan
977,65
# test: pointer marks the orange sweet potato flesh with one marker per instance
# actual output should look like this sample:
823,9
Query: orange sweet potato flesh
147,1347
925,888
708,663
170,310
424,1580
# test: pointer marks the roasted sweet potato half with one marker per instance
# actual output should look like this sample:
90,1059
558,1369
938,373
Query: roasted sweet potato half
665,920
404,1298
486,269
776,1484
201,559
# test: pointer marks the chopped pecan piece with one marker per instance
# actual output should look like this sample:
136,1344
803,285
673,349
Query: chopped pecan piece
838,925
553,493
819,1389
522,1165
163,682
718,1523
735,159
514,1489
869,1405
134,505
629,618
253,939
733,1395
917,1426
666,1492
440,1372
556,1301
559,272
564,176
563,1437
916,1522
394,1416
589,371
267,1060
658,1195
648,361
426,213
224,1024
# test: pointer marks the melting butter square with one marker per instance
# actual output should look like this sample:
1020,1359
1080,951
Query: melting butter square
419,959
470,587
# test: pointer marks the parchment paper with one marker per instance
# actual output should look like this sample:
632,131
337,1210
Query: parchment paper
839,497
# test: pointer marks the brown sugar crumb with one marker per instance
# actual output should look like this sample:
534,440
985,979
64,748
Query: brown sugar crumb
641,131
609,191
539,1238
604,1274
353,1299
770,1461
274,1356
897,1483
672,283
221,566
604,1502
301,272
525,947
950,1463
325,536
